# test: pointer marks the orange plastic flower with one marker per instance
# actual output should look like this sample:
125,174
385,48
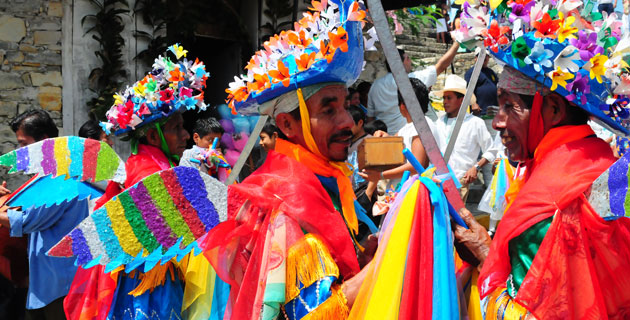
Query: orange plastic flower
546,27
305,61
326,51
356,14
339,39
318,5
260,83
176,75
280,75
299,39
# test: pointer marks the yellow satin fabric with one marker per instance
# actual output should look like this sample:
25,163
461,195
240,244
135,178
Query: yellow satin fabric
199,291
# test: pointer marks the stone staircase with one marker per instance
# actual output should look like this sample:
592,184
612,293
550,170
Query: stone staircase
424,50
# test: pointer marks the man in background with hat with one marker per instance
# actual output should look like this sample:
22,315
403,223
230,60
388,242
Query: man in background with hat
472,139
383,95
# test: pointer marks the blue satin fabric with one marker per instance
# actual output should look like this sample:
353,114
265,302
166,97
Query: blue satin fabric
312,295
165,302
445,302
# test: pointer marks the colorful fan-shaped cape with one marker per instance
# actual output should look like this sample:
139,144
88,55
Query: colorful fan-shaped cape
158,218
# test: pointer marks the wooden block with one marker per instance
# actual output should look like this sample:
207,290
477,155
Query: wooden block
380,154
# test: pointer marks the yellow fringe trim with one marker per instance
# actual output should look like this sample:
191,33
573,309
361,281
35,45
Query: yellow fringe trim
335,307
502,307
308,260
154,278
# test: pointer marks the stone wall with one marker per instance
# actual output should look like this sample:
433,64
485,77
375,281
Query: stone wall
30,62
30,59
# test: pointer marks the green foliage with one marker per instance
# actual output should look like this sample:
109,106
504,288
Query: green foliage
276,11
414,18
154,13
106,27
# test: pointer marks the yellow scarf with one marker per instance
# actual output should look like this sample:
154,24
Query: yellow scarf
314,160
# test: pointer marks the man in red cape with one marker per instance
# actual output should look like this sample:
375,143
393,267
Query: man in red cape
553,256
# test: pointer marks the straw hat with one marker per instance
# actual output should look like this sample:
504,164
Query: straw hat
455,83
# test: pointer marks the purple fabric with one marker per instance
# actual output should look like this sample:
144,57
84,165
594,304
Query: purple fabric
80,247
48,160
195,192
151,215
618,186
22,161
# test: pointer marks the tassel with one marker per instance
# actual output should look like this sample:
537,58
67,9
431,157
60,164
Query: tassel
335,307
308,260
154,278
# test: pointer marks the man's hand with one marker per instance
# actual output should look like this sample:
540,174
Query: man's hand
370,175
470,176
369,249
3,189
472,244
380,134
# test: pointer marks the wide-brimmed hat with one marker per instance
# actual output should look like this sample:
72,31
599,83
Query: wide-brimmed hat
171,85
562,45
455,83
326,46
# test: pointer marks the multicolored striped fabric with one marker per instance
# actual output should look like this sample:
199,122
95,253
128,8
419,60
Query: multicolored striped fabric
155,220
609,194
80,158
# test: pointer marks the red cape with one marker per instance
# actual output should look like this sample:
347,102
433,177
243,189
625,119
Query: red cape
581,268
236,247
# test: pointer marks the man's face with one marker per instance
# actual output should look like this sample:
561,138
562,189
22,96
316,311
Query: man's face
268,142
175,134
23,139
331,123
355,99
407,63
512,121
452,102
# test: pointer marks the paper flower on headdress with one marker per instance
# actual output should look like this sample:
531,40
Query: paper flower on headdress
539,57
521,10
560,77
326,45
586,43
566,29
560,44
495,36
169,86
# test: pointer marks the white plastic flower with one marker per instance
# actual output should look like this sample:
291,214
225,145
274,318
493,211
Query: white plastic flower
566,60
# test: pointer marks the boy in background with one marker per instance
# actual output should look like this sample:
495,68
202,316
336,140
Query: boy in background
204,133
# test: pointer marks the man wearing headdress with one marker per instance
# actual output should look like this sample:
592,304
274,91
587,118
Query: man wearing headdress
553,256
158,138
289,247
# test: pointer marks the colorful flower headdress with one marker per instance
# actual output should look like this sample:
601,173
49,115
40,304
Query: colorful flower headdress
326,45
561,44
170,86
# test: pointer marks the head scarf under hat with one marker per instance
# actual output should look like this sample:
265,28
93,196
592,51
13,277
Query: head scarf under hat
516,82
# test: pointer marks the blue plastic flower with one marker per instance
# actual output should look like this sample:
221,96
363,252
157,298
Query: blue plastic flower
539,57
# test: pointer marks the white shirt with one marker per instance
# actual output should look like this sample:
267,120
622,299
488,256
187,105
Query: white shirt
473,138
383,98
408,132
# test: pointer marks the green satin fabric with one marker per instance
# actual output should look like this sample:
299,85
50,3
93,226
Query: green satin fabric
522,251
